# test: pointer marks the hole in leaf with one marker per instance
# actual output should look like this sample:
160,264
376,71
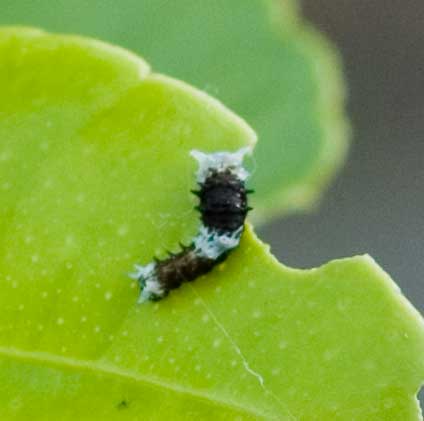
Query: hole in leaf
421,398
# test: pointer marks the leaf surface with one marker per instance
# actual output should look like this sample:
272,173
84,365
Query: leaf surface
95,175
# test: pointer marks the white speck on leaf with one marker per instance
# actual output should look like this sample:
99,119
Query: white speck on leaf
205,318
123,231
257,314
217,343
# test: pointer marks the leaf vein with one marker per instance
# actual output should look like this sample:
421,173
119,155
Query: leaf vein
99,367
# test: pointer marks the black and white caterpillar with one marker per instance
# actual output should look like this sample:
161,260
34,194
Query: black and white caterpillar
223,208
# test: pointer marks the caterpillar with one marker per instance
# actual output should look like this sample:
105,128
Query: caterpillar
223,208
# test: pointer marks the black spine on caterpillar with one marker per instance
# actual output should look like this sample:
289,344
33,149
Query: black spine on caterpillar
223,208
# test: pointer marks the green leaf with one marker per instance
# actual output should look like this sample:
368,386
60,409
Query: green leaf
258,57
95,175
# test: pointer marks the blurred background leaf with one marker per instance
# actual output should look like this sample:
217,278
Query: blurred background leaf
256,56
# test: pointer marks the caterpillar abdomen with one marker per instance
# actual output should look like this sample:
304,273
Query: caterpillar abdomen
223,207
185,266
